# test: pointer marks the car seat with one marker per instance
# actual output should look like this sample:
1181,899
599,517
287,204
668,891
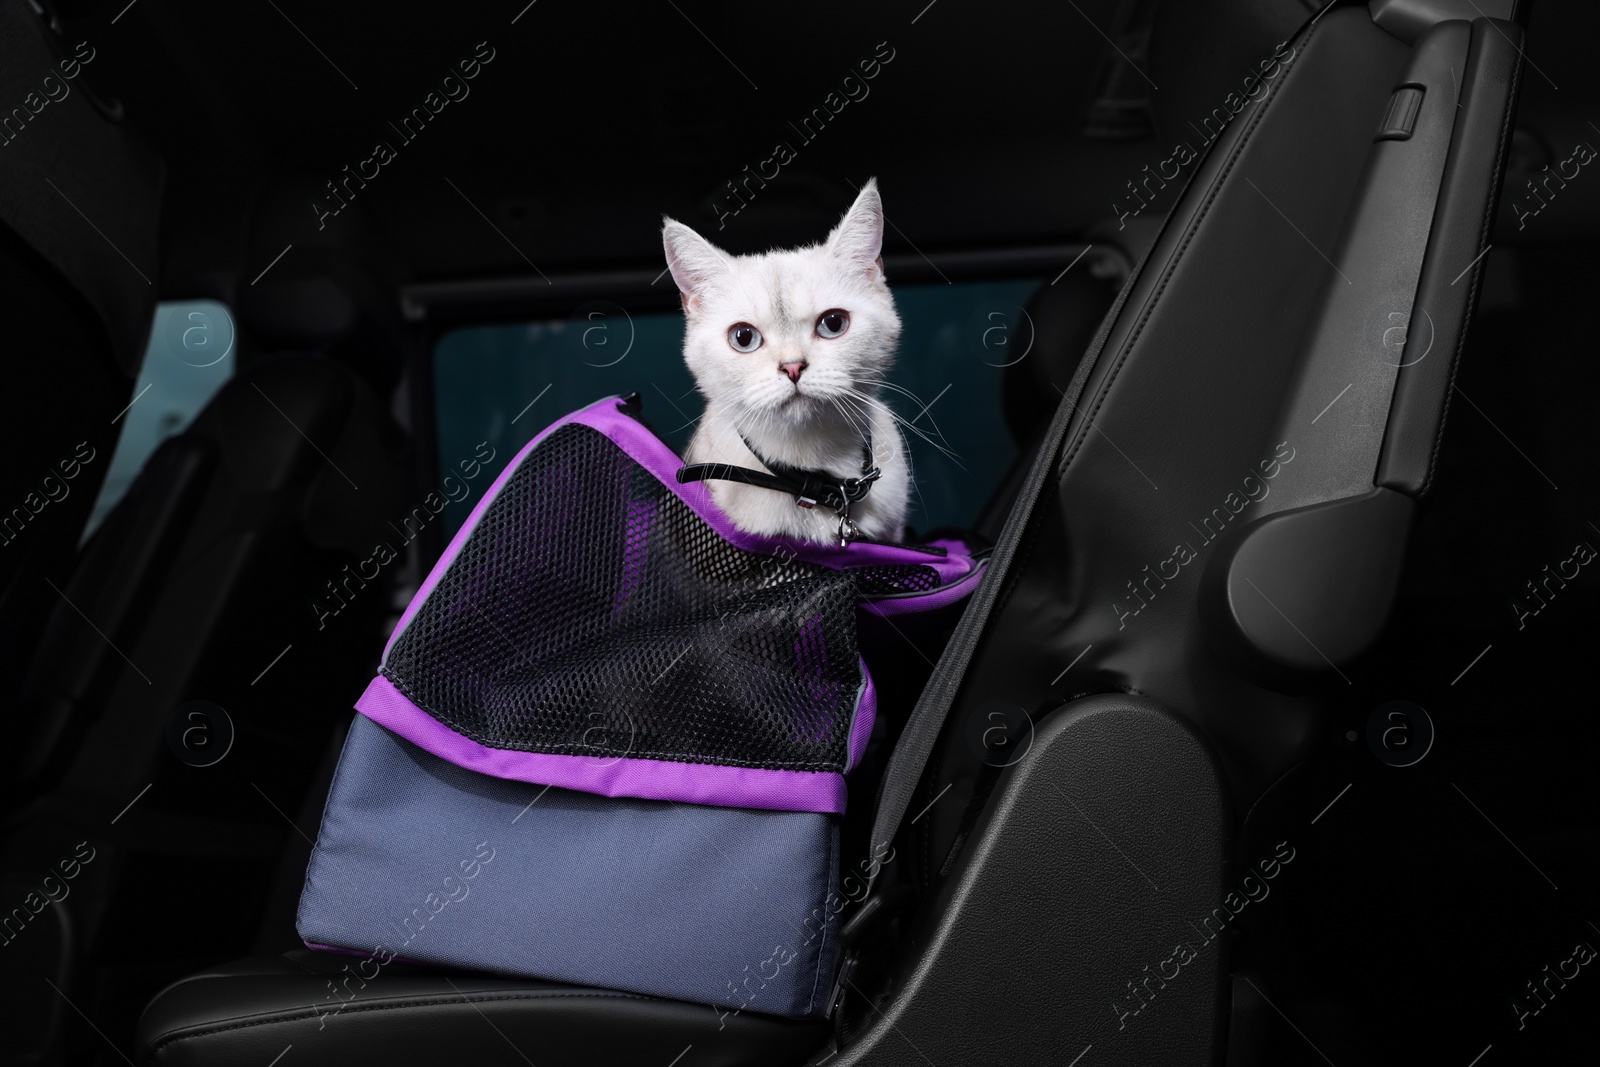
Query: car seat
1037,900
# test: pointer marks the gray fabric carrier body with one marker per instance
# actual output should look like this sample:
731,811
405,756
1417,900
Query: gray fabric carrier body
733,891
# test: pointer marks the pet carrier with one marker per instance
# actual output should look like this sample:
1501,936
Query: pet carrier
609,738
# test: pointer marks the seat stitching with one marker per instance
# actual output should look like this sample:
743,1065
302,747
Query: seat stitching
1477,277
1172,269
414,1001
834,862
1029,543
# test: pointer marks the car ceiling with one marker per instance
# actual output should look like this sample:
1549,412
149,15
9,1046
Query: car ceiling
592,121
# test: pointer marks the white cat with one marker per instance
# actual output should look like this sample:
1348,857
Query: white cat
789,349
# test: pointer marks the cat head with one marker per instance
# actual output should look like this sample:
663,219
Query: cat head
786,338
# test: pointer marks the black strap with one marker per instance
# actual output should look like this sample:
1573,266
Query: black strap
808,487
923,727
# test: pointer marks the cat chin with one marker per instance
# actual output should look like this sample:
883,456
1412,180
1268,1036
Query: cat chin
798,411
804,406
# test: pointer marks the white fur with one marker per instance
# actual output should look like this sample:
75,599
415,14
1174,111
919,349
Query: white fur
817,422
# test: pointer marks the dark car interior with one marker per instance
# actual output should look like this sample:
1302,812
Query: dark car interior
1250,339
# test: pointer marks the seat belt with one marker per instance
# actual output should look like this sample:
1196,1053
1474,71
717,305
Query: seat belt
1119,108
926,721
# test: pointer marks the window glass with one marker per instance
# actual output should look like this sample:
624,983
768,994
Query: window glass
189,355
503,383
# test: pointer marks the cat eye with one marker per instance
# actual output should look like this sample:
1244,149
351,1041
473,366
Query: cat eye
743,337
831,324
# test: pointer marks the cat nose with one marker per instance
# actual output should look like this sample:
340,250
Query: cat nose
793,369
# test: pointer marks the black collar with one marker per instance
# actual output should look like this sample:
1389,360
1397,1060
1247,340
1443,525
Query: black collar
808,487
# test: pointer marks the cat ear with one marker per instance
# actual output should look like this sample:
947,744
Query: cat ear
695,262
858,239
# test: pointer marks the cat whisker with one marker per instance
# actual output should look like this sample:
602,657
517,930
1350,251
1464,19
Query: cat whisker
936,439
884,383
856,420
949,453
911,477
911,474
874,402
738,426
913,397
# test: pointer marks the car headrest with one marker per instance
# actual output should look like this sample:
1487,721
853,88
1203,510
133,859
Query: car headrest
1063,315
330,288
76,185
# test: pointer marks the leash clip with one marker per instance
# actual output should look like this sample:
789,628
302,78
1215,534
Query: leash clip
847,528
851,490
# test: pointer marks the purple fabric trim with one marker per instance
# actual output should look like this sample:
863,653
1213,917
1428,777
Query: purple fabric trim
861,724
366,955
320,947
916,603
690,783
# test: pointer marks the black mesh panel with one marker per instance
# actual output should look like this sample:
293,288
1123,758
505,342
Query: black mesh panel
592,613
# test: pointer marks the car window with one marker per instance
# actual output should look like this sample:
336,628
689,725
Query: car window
189,355
503,383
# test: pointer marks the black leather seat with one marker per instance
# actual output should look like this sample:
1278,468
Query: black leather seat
1249,401
247,1013
199,587
75,324
1064,315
